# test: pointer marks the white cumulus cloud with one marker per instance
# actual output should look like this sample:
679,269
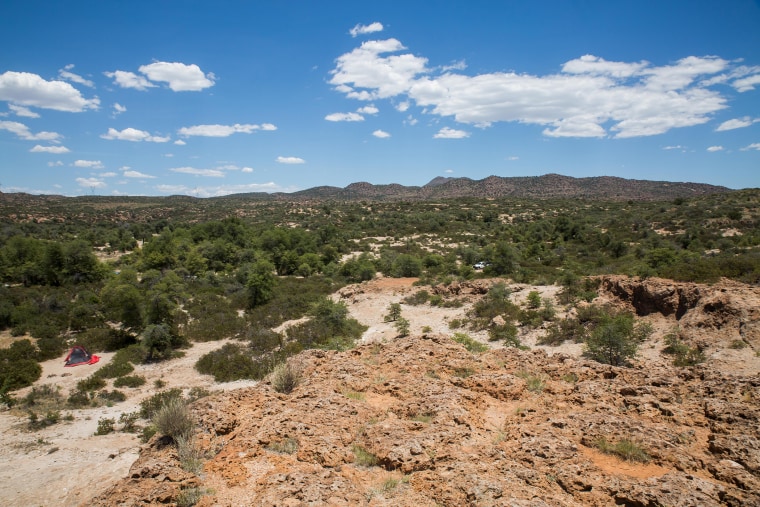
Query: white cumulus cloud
134,135
213,173
23,111
118,108
364,29
49,149
27,89
127,79
224,130
736,123
91,164
370,109
290,160
747,83
136,174
23,132
715,148
65,73
753,146
381,134
449,133
366,75
344,117
179,76
589,97
91,183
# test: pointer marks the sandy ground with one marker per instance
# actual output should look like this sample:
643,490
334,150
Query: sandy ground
66,464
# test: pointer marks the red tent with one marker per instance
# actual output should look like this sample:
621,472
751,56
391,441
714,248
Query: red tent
78,355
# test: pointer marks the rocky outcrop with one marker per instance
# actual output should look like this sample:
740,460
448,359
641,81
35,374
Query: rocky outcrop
420,421
721,314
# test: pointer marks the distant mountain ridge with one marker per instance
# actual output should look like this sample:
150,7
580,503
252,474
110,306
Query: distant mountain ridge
548,186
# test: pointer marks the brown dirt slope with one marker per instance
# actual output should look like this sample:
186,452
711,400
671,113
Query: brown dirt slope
448,427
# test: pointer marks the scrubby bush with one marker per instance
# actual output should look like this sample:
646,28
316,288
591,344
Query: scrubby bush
91,383
615,340
150,406
233,362
506,332
106,425
114,369
683,355
129,381
418,298
173,419
469,343
286,376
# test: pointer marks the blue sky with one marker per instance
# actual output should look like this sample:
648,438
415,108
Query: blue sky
211,98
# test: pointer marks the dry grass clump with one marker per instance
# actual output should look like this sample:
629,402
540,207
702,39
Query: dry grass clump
286,376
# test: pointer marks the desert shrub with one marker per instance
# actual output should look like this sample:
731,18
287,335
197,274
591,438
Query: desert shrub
495,303
189,453
328,321
402,326
533,300
196,393
150,406
506,333
286,376
285,446
114,396
615,340
530,318
79,399
625,449
683,355
363,457
148,432
418,298
129,381
188,497
214,319
105,339
233,362
106,425
534,383
469,343
18,373
262,340
394,313
114,369
173,419
18,366
135,354
563,330
91,383
36,422
128,421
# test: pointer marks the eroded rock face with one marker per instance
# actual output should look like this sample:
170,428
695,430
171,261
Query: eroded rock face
725,312
420,422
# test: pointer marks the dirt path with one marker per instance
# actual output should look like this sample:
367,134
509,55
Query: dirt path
66,463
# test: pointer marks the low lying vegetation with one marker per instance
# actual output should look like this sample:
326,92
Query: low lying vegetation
244,269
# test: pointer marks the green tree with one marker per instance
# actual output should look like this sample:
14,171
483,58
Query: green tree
394,313
157,340
615,339
534,299
260,284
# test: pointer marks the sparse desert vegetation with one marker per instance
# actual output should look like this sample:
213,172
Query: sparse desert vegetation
280,291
